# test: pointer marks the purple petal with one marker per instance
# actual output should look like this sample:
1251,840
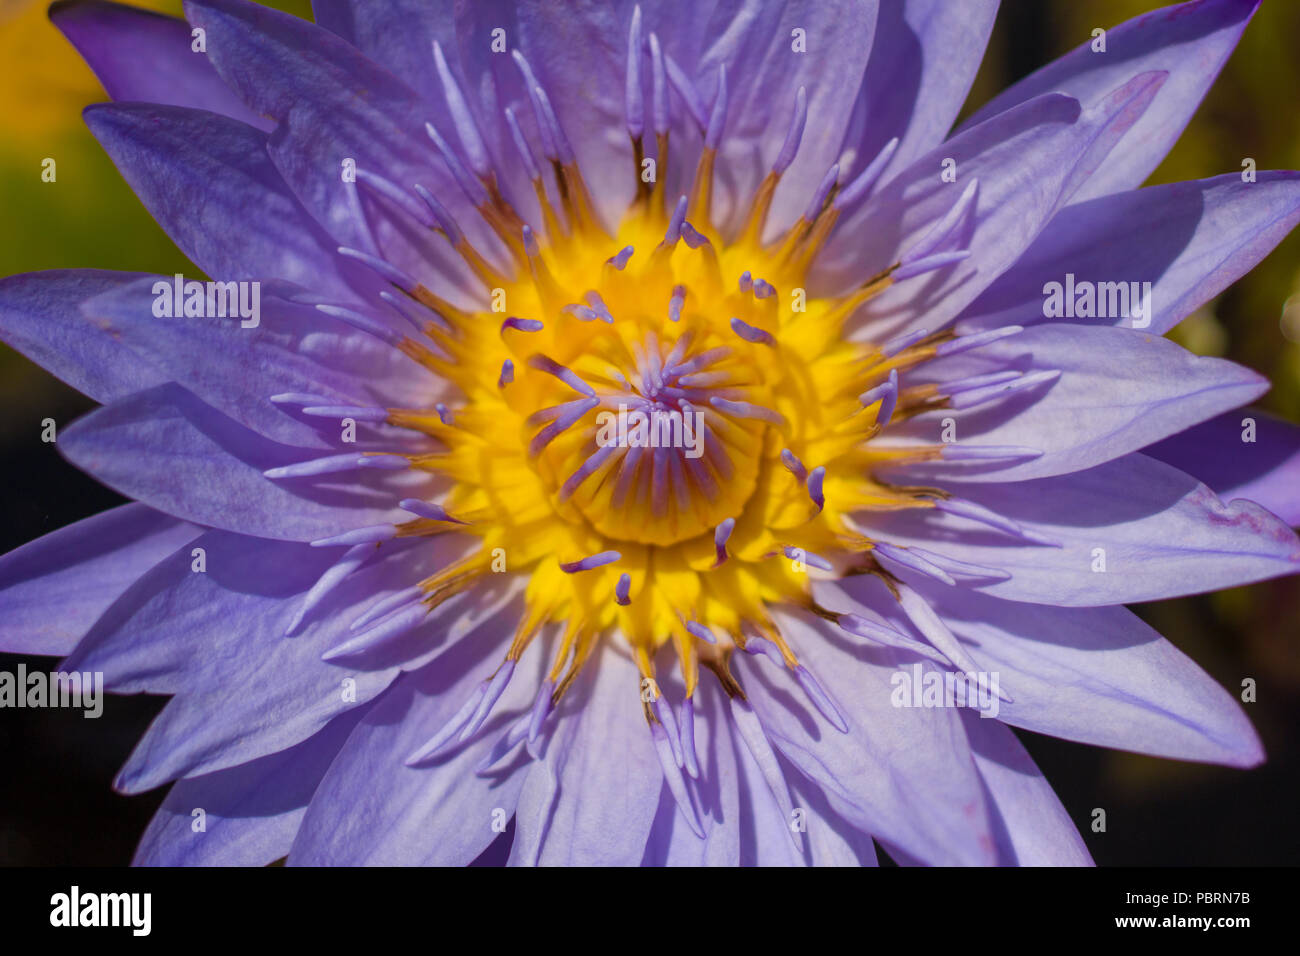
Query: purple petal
1119,390
1163,534
142,56
1189,41
54,588
1189,240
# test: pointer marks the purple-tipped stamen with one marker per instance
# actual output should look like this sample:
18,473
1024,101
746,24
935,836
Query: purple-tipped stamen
751,333
619,260
427,509
361,413
333,576
469,185
451,728
978,396
623,590
316,466
446,222
691,761
367,535
886,393
810,558
497,685
823,701
521,146
462,117
823,190
659,88
675,303
794,465
695,629
909,558
386,606
794,135
944,230
673,777
633,101
903,342
964,343
396,195
957,452
721,535
395,625
815,479
360,322
718,117
570,378
522,325
940,260
862,185
747,410
686,90
982,515
507,374
591,562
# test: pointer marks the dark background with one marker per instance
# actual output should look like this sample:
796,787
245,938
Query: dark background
56,802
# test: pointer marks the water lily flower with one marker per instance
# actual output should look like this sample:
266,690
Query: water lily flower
899,420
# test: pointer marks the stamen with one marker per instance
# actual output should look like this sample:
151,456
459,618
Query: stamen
507,374
673,777
497,685
903,342
451,728
908,558
521,146
721,535
623,589
570,378
862,185
964,343
659,92
818,201
368,535
821,700
959,452
351,560
978,396
566,416
462,117
521,325
808,557
619,261
701,631
747,410
815,479
469,185
794,135
381,608
940,260
985,516
361,413
886,393
751,732
386,271
634,105
794,465
675,303
590,562
389,628
943,231
687,737
751,334
541,709
398,196
317,466
687,91
429,510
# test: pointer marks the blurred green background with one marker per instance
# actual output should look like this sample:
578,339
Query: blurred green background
56,805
